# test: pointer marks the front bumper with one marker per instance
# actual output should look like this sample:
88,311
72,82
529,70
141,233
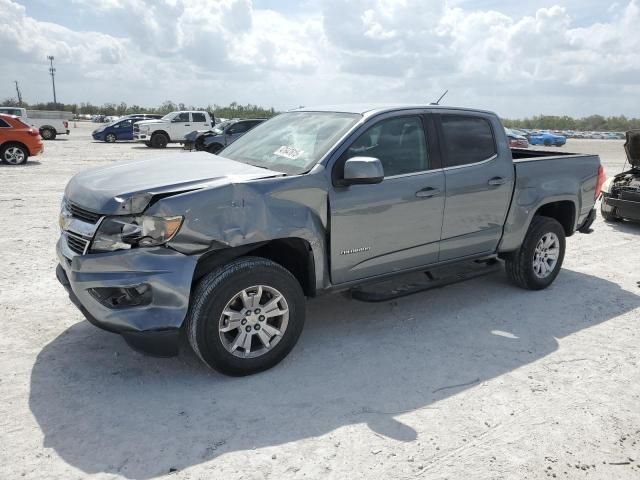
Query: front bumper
152,327
628,209
141,137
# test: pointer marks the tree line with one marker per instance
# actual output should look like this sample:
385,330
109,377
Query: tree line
592,123
233,110
236,110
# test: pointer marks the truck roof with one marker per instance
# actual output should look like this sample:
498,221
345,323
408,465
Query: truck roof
376,108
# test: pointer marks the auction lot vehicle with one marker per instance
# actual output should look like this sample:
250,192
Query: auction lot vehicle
220,136
50,124
621,193
18,141
311,201
171,128
547,139
121,129
516,140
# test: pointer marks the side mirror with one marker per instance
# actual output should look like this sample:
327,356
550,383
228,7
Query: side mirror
362,171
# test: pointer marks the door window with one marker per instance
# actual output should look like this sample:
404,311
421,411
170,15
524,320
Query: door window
181,117
199,117
239,127
466,139
4,124
399,144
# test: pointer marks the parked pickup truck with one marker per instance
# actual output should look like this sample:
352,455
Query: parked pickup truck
171,128
311,201
50,124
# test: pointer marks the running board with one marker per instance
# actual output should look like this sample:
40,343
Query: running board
411,283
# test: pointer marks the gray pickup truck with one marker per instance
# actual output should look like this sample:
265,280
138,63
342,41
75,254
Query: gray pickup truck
226,248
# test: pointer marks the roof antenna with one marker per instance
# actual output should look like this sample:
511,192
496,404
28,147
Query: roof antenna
437,102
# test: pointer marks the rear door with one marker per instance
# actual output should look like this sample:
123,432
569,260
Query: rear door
199,121
479,176
396,224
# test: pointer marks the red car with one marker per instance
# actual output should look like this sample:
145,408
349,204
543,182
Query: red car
18,141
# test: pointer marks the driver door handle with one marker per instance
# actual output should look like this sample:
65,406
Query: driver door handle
427,192
495,181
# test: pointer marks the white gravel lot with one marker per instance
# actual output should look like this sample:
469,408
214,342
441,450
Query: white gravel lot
477,380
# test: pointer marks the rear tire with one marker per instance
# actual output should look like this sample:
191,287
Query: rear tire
159,140
608,212
14,154
48,133
221,340
532,266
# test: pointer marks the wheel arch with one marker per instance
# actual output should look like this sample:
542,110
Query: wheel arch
15,142
50,127
293,253
163,132
564,211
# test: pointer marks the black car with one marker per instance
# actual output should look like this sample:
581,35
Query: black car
218,137
621,194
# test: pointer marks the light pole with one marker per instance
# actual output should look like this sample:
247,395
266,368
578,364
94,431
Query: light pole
52,71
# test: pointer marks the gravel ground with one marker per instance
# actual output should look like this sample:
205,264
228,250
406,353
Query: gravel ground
477,380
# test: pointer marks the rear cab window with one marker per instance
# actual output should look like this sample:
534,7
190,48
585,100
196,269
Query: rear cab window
4,124
466,139
199,117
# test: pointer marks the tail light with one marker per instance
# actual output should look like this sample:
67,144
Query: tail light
33,132
600,181
66,124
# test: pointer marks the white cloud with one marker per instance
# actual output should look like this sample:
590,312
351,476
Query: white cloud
204,51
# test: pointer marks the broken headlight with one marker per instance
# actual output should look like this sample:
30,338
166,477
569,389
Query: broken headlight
125,232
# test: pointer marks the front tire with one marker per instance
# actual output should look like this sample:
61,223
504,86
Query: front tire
538,261
110,138
14,154
246,316
215,148
159,140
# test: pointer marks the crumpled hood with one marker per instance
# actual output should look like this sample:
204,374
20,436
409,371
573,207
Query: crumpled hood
632,147
128,187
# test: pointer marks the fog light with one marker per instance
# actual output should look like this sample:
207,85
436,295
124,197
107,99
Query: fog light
123,297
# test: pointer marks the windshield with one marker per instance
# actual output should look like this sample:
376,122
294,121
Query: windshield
291,142
168,116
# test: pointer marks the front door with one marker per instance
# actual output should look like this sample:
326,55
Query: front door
393,225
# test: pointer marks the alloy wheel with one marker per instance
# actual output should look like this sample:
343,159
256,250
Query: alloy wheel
14,155
545,256
254,321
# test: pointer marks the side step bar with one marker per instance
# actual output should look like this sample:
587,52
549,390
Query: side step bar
419,282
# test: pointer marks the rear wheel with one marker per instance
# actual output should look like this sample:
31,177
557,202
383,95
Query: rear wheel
48,133
14,154
159,140
246,316
538,261
110,138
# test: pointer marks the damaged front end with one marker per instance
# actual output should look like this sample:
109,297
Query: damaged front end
621,194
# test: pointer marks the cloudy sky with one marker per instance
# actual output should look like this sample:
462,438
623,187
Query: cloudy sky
575,57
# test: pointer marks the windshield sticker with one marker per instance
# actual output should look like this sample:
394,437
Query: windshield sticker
291,153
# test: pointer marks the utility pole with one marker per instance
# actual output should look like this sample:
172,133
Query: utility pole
18,92
52,71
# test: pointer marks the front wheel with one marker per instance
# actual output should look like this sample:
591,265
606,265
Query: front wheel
246,316
538,261
159,140
110,138
214,148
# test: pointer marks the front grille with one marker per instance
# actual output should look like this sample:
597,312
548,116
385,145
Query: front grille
82,214
77,244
